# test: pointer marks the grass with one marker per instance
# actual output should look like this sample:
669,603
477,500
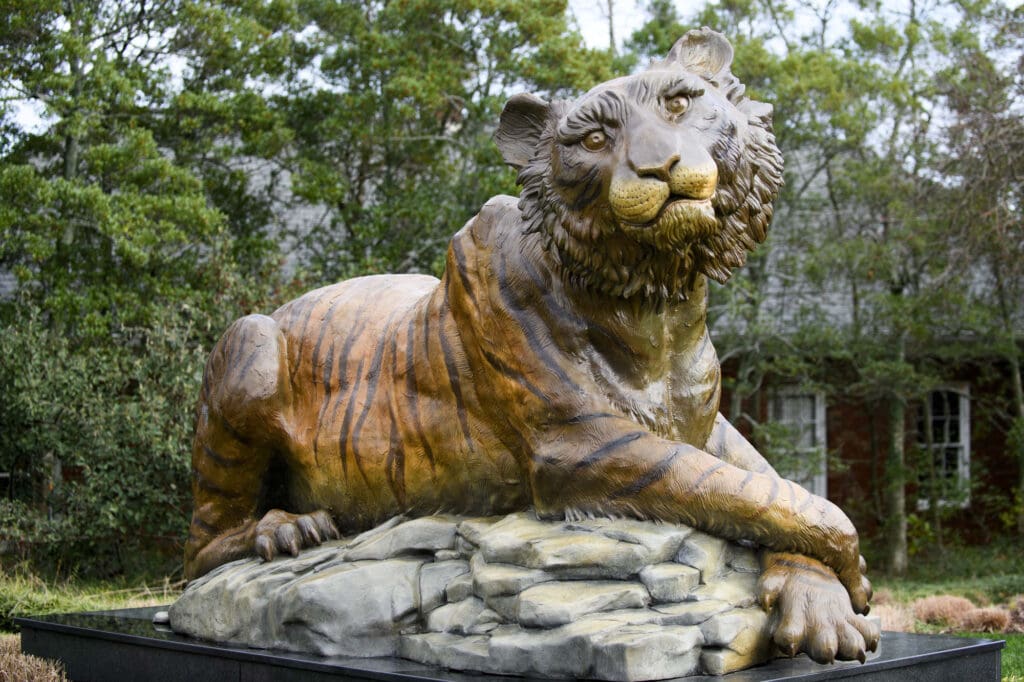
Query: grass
1013,653
17,667
23,594
986,575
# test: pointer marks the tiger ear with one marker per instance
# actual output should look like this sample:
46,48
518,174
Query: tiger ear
705,52
523,120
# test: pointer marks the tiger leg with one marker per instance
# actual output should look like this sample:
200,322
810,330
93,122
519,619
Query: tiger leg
241,426
730,446
606,465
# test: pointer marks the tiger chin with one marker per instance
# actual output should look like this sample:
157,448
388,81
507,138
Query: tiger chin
562,363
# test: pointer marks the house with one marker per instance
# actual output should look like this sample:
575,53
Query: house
841,447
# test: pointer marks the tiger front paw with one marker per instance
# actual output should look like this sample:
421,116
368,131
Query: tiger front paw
811,611
280,531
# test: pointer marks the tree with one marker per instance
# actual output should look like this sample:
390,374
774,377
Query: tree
125,253
392,129
148,208
983,87
861,265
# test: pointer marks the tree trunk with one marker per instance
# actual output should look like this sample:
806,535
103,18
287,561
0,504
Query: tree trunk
1016,438
610,4
896,499
933,476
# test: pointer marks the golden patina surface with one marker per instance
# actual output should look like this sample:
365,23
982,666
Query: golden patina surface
562,362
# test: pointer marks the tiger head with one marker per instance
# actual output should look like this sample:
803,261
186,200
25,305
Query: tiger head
648,181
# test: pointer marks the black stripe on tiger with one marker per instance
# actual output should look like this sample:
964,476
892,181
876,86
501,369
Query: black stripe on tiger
205,484
346,423
310,308
228,345
202,525
325,328
372,381
566,315
328,375
707,474
412,390
255,351
774,494
233,432
453,378
650,477
205,393
516,311
221,460
394,463
594,416
346,350
804,567
746,479
498,364
584,188
607,449
460,267
792,495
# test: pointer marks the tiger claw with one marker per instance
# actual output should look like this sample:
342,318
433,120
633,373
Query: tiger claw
264,548
287,539
325,523
309,531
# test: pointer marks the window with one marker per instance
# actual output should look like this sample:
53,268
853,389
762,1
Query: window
803,413
948,414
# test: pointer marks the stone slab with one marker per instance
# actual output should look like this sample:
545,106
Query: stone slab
125,645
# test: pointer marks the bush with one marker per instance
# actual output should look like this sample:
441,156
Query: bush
117,419
942,609
1017,614
18,667
895,617
987,619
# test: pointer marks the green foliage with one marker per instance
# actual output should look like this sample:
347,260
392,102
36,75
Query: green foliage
130,247
23,593
117,418
393,136
149,209
1012,657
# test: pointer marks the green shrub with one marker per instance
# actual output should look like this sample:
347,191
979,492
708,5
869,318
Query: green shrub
117,417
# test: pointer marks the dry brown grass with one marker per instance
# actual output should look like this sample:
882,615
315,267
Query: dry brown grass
882,597
941,609
1017,614
986,619
18,667
895,617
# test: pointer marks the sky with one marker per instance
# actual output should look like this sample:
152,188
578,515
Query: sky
592,17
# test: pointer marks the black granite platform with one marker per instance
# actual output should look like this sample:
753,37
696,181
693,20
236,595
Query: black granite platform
124,645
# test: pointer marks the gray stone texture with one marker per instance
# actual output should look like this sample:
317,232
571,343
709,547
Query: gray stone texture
602,599
669,582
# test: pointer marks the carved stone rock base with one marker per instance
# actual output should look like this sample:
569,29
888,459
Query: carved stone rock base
604,599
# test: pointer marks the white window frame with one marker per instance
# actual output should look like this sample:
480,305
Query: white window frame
817,482
963,469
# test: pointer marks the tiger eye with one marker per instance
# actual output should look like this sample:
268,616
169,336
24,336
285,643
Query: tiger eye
595,141
677,105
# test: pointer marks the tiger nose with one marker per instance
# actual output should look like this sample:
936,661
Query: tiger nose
661,171
694,181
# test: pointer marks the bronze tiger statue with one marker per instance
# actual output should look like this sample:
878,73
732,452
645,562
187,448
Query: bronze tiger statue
561,363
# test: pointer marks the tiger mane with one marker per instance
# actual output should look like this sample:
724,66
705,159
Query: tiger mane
594,254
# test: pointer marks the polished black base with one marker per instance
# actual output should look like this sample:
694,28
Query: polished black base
124,645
